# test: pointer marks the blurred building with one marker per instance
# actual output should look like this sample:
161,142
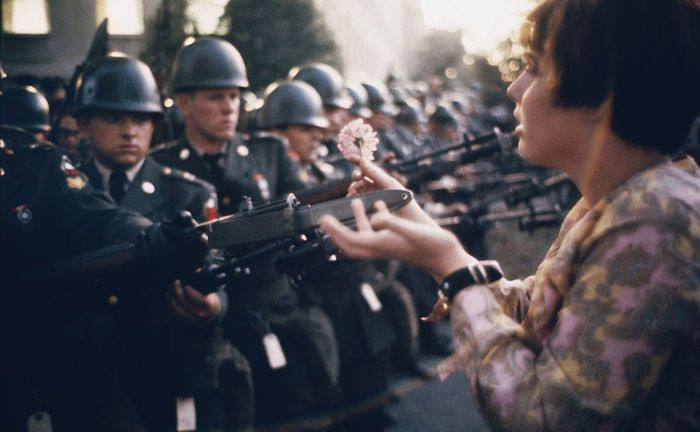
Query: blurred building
375,37
50,37
46,37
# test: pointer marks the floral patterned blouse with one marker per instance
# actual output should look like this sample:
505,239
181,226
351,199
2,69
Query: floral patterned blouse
606,335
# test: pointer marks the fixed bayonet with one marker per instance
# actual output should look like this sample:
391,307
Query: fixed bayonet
292,219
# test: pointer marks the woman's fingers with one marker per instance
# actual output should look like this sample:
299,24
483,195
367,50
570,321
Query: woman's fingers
358,210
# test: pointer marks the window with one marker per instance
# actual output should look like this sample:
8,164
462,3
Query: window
125,16
25,17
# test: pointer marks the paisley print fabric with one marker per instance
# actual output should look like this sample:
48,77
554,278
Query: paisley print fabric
606,334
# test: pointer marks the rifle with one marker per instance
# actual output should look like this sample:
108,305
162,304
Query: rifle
468,151
245,235
529,218
98,48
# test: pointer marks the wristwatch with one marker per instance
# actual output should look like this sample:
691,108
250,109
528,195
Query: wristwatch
481,272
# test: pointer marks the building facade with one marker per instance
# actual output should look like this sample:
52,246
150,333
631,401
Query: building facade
50,37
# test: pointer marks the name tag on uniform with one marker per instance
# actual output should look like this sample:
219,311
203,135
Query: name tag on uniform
186,416
39,422
370,297
273,349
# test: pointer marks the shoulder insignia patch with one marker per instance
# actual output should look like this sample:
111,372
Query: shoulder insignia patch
76,182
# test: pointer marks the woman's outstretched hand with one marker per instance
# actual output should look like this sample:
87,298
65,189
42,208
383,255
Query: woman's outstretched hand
413,240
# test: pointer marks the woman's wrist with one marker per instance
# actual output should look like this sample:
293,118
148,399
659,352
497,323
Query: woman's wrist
452,262
474,273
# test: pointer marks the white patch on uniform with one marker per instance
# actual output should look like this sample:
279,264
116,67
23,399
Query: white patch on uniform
242,151
148,187
184,153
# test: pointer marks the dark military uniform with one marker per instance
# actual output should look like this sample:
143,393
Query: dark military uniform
258,168
56,338
159,359
263,302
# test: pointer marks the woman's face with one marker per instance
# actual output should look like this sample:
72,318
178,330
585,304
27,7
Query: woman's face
549,135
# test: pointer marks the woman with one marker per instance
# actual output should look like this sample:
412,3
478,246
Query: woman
606,334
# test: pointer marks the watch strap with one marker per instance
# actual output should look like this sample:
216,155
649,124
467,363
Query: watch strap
482,272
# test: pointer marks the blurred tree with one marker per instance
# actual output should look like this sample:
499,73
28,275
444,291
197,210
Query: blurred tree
275,35
165,33
439,50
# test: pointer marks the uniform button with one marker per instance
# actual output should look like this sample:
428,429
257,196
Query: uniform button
2,172
113,300
148,187
226,200
167,170
242,151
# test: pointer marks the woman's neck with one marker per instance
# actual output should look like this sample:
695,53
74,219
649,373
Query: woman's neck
608,162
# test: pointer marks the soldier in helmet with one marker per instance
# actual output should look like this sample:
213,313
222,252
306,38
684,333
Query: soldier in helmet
444,127
337,102
359,107
117,106
383,121
56,371
265,317
25,109
294,111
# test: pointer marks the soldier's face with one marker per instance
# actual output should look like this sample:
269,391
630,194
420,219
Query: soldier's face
304,141
119,139
337,117
211,114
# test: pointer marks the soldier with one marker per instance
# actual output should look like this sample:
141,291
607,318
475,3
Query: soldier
56,368
382,120
359,107
294,111
291,348
444,128
336,104
117,106
26,109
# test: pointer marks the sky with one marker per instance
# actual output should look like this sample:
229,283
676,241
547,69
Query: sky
484,23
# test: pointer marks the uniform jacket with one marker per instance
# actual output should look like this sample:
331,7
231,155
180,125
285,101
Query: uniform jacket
159,192
259,168
55,338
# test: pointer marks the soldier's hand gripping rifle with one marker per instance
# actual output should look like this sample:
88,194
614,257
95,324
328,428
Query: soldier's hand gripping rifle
285,226
98,48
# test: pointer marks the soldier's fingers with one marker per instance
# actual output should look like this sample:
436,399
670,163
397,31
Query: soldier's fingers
358,209
181,313
194,297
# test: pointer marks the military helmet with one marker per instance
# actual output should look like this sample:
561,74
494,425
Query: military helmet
208,62
444,116
25,108
410,114
359,104
292,103
378,99
327,81
119,83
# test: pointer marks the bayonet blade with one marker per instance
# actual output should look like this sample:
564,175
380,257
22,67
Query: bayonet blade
240,229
